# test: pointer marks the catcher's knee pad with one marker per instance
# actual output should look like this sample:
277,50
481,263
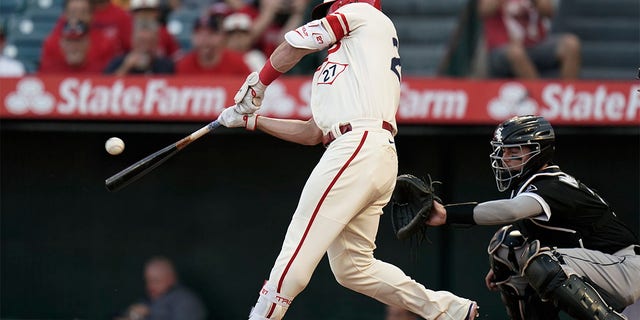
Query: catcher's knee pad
270,305
506,250
570,293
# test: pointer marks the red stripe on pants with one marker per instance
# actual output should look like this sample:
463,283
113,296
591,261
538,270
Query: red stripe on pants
313,216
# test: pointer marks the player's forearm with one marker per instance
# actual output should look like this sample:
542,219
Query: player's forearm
286,56
297,131
494,212
506,211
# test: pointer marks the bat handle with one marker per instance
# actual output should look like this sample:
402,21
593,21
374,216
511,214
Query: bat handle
214,124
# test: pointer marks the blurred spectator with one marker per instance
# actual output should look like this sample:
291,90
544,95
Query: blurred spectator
78,51
8,67
74,11
221,6
166,298
144,11
143,57
518,43
237,26
114,22
209,54
395,313
275,19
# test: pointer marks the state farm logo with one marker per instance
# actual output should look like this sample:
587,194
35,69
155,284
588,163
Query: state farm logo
432,103
513,100
80,97
29,96
567,102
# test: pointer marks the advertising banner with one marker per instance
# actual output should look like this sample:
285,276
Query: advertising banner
422,101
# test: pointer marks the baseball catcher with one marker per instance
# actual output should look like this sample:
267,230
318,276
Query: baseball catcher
562,248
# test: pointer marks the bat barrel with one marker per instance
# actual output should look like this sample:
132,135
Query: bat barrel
140,168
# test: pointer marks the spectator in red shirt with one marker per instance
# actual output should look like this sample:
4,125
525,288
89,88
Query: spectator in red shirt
149,10
114,22
143,58
209,54
237,26
78,51
518,43
276,18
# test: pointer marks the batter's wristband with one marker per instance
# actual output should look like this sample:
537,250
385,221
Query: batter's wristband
251,122
461,214
268,73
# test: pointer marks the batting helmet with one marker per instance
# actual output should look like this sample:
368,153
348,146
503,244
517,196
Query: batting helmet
330,6
534,132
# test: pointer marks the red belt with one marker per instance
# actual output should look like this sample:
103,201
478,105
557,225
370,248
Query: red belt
328,138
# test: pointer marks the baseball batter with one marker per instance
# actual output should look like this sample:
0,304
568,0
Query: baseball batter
566,250
355,96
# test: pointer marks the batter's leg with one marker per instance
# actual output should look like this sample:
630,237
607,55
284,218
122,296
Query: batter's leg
354,266
335,192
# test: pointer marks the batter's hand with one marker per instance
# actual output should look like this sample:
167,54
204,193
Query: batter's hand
489,281
438,215
250,95
231,117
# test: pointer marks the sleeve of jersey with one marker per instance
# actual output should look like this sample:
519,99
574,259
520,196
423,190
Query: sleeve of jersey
539,192
320,34
312,36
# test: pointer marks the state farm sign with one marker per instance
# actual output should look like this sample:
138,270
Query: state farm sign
568,103
422,101
83,97
156,97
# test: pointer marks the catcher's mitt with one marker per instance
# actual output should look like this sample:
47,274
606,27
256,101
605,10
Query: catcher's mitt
411,205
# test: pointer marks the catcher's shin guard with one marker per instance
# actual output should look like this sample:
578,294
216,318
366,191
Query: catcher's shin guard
270,305
571,294
525,304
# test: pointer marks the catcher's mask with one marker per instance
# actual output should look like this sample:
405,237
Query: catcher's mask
533,132
330,6
505,251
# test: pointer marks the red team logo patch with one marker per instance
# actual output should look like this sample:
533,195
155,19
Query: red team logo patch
330,71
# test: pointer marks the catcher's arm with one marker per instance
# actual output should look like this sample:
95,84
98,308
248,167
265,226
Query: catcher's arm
494,212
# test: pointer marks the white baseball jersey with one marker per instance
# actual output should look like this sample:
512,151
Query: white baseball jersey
340,206
347,86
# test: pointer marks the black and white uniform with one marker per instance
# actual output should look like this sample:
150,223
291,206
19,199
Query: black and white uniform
584,233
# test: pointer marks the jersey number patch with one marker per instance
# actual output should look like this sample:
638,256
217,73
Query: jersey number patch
330,72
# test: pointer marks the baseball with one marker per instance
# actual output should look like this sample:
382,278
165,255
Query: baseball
114,146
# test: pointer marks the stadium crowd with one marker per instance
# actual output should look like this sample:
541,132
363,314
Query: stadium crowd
230,37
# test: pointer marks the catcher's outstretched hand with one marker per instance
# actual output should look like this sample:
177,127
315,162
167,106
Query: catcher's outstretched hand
438,215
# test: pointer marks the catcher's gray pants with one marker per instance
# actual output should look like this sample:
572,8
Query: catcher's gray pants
338,213
618,273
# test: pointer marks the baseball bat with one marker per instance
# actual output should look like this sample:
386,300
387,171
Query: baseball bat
144,166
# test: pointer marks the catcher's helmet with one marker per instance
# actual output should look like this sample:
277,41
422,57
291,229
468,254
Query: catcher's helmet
330,6
531,131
